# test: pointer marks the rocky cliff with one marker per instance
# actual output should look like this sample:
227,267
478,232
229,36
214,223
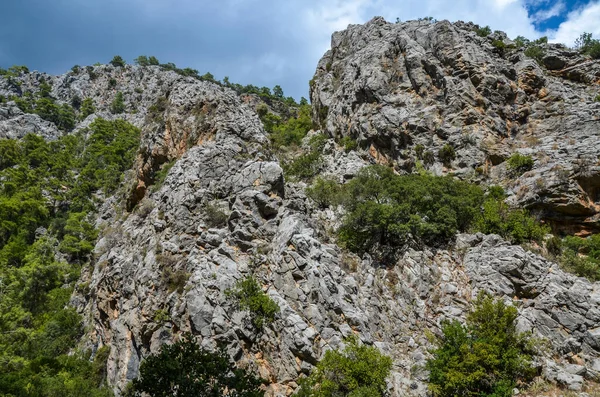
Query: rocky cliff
390,87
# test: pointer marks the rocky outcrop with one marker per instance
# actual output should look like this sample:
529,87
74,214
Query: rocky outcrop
169,250
393,87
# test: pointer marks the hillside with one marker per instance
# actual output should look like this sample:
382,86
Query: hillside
154,190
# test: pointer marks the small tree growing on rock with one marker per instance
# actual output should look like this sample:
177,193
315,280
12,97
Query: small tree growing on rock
487,357
184,369
357,370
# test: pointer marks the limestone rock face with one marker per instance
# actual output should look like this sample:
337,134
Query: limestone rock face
396,86
168,250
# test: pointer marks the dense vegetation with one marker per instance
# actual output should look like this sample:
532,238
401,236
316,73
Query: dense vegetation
248,295
357,370
46,236
385,211
578,255
44,105
184,369
487,357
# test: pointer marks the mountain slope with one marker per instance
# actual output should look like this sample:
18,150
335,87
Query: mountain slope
208,203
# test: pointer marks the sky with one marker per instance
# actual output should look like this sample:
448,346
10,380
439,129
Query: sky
260,42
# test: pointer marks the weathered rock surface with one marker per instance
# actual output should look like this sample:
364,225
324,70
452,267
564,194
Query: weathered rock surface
395,86
168,252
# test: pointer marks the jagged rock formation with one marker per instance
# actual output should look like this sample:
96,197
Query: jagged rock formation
168,250
396,86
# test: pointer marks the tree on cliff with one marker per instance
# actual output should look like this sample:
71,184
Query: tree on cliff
184,369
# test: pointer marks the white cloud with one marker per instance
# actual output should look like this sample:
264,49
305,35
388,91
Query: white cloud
545,14
584,19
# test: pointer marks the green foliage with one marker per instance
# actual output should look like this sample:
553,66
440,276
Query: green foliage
249,296
515,225
14,71
48,186
161,175
292,131
184,369
118,105
63,116
582,256
597,98
499,45
215,217
483,32
521,41
447,155
419,150
519,163
152,60
536,52
386,211
587,45
357,370
175,279
117,61
348,144
87,108
142,60
308,164
79,237
325,192
487,357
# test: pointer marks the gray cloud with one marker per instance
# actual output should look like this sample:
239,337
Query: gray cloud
262,42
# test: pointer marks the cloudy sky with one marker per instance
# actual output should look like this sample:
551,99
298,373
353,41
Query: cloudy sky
260,42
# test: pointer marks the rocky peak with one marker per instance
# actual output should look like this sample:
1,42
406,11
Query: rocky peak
394,87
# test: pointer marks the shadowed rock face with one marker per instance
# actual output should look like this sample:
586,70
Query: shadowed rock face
162,262
395,86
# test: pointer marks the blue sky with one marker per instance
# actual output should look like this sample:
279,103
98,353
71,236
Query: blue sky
261,42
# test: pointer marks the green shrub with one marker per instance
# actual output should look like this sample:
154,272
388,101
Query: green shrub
447,155
419,151
483,32
325,192
597,98
518,163
112,83
521,41
142,60
185,369
117,61
87,108
516,225
291,132
158,108
118,105
309,164
487,357
175,279
161,175
535,52
348,144
357,370
152,60
499,44
386,211
249,296
582,256
215,217
428,158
